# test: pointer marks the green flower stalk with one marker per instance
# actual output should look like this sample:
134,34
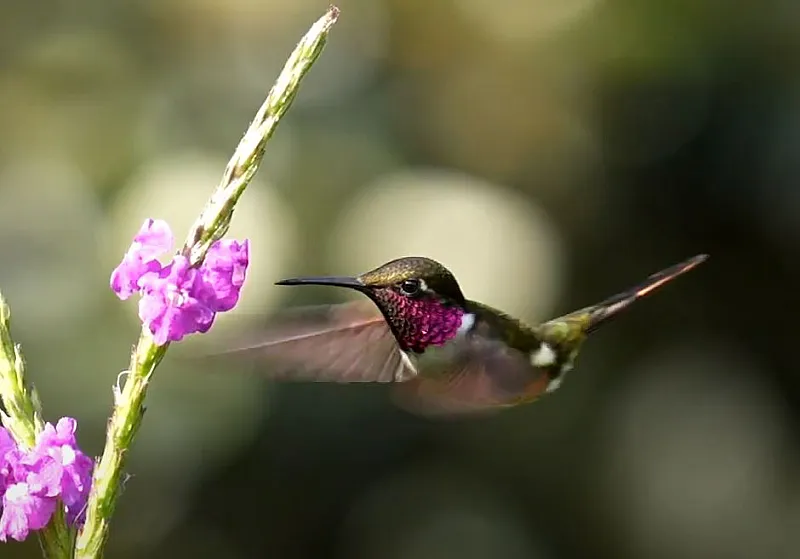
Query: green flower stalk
204,236
23,421
215,219
23,417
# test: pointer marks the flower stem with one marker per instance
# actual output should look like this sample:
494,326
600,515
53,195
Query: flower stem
215,219
212,224
23,417
122,428
23,420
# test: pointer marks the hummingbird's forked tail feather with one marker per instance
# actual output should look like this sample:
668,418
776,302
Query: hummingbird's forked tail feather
605,310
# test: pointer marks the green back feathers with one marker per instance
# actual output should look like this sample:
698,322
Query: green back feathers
564,334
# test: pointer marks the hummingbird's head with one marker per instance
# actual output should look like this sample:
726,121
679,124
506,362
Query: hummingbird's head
420,299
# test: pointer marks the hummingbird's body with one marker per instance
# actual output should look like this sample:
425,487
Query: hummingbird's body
446,353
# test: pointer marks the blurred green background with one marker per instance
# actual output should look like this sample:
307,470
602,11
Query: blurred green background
549,152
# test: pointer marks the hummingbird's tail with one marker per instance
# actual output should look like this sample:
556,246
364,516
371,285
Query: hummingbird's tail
606,310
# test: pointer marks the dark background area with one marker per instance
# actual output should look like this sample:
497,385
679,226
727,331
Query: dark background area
550,153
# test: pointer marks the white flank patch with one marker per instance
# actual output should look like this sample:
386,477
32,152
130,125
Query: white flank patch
467,322
409,362
545,356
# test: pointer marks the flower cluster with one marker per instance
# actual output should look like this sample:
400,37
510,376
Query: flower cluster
178,299
32,482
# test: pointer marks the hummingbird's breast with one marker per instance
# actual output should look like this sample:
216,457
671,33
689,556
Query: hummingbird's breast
435,359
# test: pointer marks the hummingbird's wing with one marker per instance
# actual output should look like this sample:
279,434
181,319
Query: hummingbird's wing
486,375
349,342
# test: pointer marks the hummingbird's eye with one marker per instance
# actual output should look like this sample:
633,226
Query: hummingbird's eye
411,287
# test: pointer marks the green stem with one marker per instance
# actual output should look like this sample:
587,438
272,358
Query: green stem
23,419
212,224
122,428
214,221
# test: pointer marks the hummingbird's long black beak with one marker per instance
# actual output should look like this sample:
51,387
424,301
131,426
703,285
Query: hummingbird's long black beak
611,307
333,281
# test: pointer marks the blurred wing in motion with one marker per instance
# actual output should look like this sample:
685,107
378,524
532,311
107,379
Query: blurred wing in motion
485,376
349,342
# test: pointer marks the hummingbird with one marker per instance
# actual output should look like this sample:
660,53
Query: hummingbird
444,354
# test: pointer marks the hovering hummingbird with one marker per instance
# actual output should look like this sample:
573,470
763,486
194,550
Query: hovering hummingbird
446,354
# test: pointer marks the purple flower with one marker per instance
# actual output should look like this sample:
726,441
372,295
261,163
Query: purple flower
175,302
7,446
34,481
176,299
24,511
153,239
224,271
63,469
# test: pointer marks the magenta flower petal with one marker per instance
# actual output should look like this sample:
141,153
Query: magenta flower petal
6,442
224,270
63,433
125,277
7,446
44,475
75,489
153,239
24,512
61,468
173,302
